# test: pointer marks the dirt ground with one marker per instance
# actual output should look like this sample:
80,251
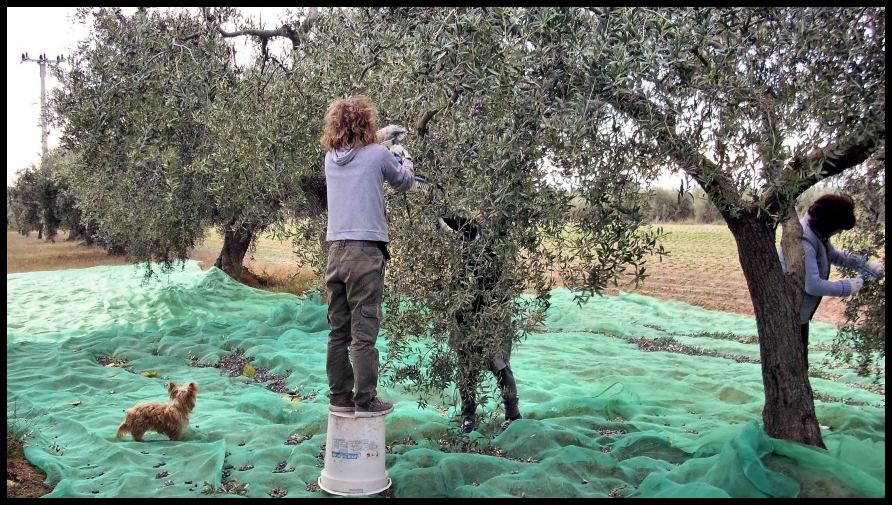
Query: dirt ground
23,480
724,291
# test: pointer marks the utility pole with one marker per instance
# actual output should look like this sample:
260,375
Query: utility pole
43,61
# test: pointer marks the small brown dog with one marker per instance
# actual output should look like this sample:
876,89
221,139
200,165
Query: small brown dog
169,418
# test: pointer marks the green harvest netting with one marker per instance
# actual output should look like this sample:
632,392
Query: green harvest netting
612,407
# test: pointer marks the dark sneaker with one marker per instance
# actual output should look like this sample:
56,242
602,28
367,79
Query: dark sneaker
468,425
506,424
376,407
341,405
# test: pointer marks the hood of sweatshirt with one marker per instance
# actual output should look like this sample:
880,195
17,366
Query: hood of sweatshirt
344,156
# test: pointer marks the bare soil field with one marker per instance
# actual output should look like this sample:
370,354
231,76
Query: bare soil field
703,270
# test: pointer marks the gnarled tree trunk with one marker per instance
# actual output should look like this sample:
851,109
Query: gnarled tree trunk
236,242
789,411
316,196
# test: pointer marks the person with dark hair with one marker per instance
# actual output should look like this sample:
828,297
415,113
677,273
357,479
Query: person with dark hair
482,269
356,168
829,215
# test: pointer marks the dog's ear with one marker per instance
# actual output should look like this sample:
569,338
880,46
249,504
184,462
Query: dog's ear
171,386
193,386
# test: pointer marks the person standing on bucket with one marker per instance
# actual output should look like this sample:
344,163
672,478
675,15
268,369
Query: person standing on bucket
356,167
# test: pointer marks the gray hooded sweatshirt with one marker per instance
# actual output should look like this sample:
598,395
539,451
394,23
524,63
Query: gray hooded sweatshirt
355,186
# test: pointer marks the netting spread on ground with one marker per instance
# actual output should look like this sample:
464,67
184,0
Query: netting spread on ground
625,396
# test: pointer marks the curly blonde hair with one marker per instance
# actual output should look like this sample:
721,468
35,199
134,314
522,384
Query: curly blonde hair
349,122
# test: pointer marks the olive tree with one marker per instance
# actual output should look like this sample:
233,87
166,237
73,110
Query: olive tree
40,200
23,201
175,134
488,135
862,338
129,105
754,106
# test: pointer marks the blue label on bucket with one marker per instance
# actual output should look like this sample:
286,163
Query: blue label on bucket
344,455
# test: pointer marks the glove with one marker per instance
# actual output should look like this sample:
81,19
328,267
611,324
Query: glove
856,284
876,266
391,132
400,151
442,226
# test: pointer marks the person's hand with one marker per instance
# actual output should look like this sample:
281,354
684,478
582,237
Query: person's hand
856,283
443,226
391,132
876,266
400,151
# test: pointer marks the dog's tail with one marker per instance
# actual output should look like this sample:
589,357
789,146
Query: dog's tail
123,429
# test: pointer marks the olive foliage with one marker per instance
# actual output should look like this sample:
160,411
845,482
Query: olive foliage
496,137
175,135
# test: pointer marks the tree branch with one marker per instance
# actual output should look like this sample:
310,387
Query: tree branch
706,173
426,118
284,31
368,66
833,160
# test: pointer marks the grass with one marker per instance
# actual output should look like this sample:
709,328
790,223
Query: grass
30,254
16,433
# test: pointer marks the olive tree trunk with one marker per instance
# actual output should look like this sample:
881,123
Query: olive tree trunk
789,411
236,242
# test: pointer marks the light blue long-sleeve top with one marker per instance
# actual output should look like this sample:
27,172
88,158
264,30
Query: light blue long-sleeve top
819,255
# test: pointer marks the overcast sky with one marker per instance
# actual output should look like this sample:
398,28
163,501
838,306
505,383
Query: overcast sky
52,31
33,30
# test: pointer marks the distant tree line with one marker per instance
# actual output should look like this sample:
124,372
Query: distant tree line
41,200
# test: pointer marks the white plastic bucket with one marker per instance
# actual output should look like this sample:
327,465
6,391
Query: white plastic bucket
354,455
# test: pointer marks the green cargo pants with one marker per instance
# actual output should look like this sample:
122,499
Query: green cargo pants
354,279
